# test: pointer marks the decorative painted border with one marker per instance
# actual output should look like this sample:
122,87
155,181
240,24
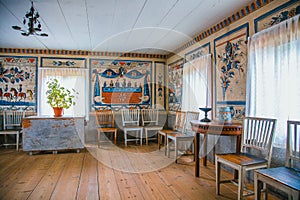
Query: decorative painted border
22,104
197,52
226,22
118,106
82,53
240,105
260,18
156,82
63,62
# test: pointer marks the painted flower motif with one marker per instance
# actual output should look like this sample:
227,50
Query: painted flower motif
231,64
122,97
13,75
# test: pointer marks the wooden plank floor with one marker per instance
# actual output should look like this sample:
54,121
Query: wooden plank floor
71,175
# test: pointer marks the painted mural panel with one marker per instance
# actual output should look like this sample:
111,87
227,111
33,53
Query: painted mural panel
63,62
18,82
277,15
159,85
120,83
175,73
230,71
198,52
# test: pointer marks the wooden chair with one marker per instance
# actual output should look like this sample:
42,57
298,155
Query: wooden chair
12,125
179,125
105,122
130,122
186,136
150,122
256,150
286,178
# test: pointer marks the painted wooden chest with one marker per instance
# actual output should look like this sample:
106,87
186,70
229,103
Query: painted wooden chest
41,133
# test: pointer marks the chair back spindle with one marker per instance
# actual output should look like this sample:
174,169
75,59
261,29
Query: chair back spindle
180,121
130,117
105,118
13,119
149,117
258,134
293,144
189,117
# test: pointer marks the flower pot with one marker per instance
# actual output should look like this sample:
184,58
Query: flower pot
58,112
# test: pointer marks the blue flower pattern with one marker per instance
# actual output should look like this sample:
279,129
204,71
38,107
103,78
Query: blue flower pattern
230,64
13,75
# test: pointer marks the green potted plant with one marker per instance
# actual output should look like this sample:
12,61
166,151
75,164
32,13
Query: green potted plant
59,97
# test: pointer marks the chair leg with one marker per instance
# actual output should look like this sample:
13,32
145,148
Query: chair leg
146,133
241,183
218,174
5,140
115,140
125,137
17,138
166,143
176,149
158,141
98,138
193,149
257,187
295,195
168,147
266,191
141,136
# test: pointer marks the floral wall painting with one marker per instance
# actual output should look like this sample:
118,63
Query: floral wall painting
230,71
18,83
159,85
198,52
277,15
63,62
175,73
120,83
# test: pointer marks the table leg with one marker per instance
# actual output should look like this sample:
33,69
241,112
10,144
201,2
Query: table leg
205,150
197,167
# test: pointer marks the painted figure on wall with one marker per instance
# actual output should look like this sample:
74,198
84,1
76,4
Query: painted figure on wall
175,85
18,83
129,86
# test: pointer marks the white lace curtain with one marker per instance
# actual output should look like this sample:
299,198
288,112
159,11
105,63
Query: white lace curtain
75,78
273,82
197,84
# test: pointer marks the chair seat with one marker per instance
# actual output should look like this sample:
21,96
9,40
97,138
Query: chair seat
9,132
133,127
242,159
153,128
167,132
175,134
284,175
107,129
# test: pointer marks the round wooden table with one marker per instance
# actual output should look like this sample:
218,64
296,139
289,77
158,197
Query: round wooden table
213,128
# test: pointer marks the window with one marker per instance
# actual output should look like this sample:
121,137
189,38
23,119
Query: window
273,83
75,78
197,84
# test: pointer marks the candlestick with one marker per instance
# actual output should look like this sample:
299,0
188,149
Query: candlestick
205,110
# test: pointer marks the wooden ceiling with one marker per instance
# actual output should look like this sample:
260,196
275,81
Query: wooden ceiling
144,26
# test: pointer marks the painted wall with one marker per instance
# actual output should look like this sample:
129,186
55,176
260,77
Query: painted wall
228,46
227,41
144,79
